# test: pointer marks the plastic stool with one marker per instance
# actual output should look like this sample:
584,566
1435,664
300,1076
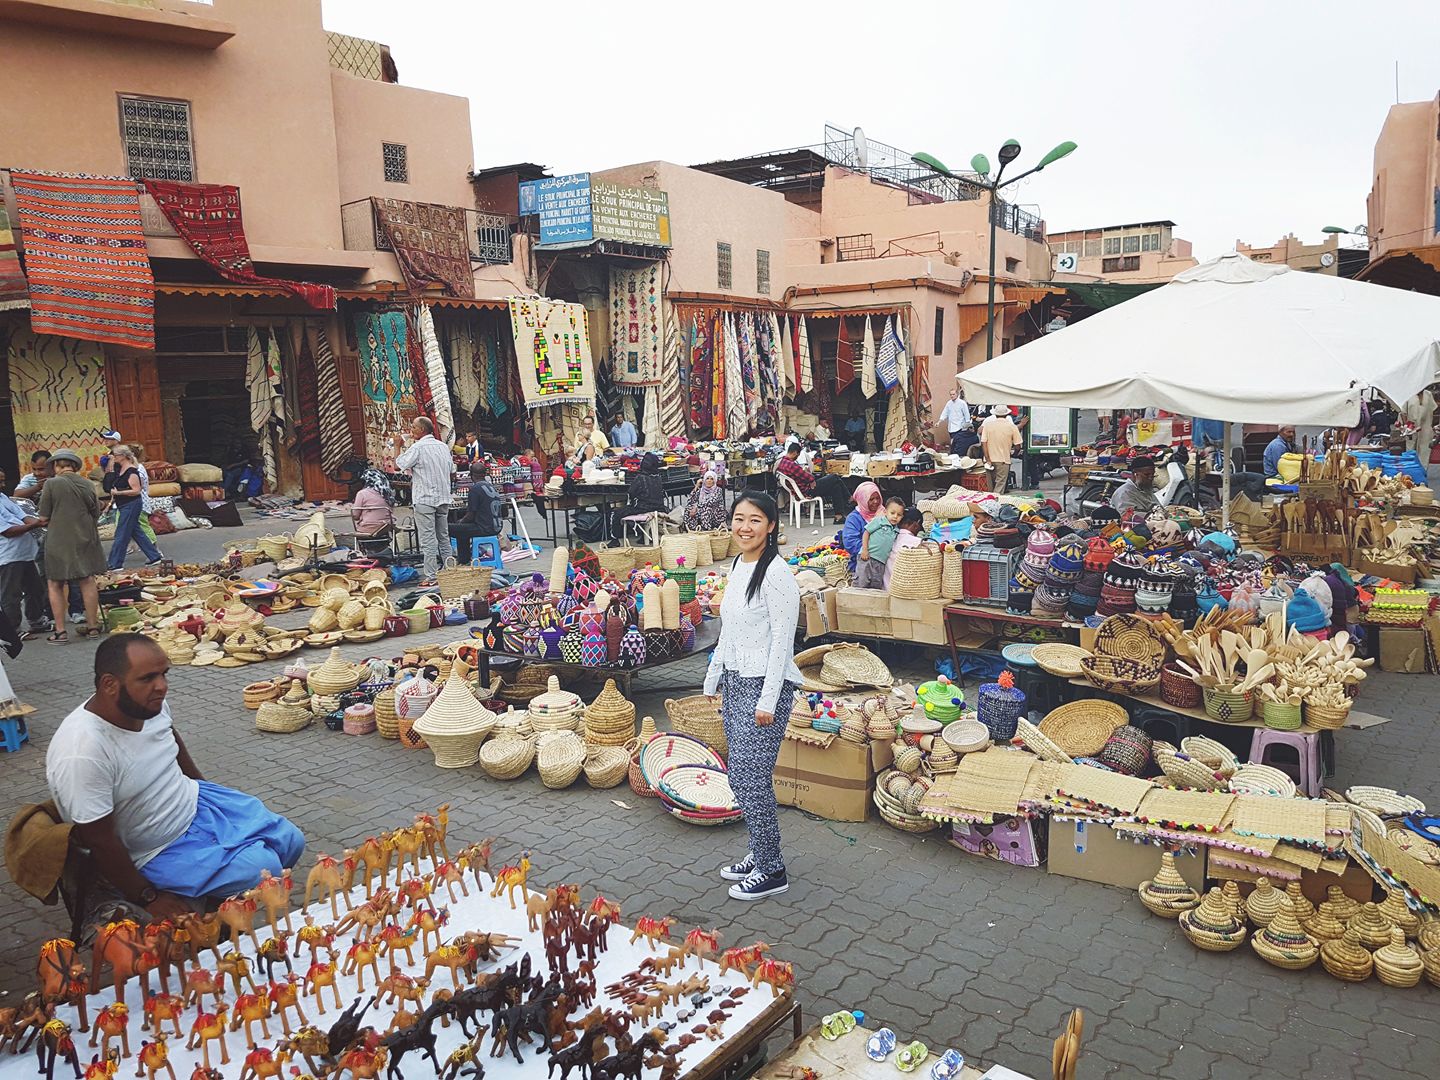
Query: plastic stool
484,551
1307,755
13,733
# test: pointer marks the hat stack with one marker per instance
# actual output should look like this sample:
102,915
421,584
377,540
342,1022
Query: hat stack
1305,614
1152,594
1021,594
1183,605
1038,550
1067,561
1098,554
1122,578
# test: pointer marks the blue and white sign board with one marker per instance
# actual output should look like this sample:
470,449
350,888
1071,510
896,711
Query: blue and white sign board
563,206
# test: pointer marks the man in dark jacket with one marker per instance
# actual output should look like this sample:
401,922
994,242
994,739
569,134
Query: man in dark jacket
647,495
482,511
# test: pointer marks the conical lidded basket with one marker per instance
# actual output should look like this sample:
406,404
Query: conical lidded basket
1394,908
1323,925
610,718
1283,943
1167,894
455,724
555,709
1372,927
1213,926
334,676
1397,964
1345,958
1304,909
1262,904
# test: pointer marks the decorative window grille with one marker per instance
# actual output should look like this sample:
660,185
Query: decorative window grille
762,273
724,269
158,139
396,157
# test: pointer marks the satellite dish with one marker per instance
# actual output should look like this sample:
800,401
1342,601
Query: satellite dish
862,148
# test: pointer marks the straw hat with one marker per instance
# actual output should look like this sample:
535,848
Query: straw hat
832,668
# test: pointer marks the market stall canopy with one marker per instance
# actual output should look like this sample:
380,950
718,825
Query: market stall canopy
1234,340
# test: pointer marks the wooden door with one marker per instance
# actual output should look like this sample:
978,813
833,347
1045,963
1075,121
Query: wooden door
132,383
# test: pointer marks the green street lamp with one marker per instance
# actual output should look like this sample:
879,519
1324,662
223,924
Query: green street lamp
1359,230
1008,152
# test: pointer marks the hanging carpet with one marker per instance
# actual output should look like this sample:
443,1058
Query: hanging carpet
867,361
672,397
806,380
886,367
788,382
736,423
552,348
701,372
435,374
262,396
305,431
57,394
748,368
844,358
13,293
85,257
386,382
430,242
636,332
207,217
719,373
337,441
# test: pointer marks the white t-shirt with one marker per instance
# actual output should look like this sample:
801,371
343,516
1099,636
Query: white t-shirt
95,768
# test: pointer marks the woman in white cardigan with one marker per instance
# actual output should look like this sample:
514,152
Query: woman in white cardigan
753,669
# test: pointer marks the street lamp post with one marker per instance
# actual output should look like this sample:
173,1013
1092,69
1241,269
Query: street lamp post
1009,151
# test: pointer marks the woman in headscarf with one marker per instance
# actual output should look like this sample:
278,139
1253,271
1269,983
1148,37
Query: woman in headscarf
647,495
705,508
868,502
370,509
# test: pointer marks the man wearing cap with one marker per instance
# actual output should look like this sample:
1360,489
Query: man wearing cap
959,423
1282,444
999,437
1137,493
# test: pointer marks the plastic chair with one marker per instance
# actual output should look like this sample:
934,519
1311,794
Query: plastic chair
484,551
1306,745
798,502
646,525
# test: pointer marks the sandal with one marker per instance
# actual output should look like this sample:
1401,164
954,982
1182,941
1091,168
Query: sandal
949,1066
837,1024
59,637
29,635
90,631
912,1057
879,1045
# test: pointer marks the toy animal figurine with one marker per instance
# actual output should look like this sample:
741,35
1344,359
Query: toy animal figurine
701,944
393,939
360,1063
202,1073
397,987
237,966
557,946
263,1063
487,945
449,874
198,984
399,1043
121,945
316,936
668,1064
62,976
374,856
429,921
309,1042
272,951
370,914
207,1028
653,931
285,996
442,830
741,959
645,1008
273,894
29,1016
606,909
237,914
453,957
250,1009
412,890
204,933
477,858
342,1033
316,979
105,1067
327,877
56,1043
664,965
113,1022
627,1062
361,955
779,975
408,844
463,1058
579,1055
511,878
159,1008
673,992
537,908
543,1016
170,942
155,1056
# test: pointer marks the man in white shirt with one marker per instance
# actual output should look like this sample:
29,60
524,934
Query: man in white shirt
623,435
430,465
959,423
159,832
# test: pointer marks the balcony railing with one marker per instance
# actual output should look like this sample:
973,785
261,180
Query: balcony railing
487,234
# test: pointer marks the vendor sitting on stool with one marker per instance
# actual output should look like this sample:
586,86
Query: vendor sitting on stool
1137,493
159,832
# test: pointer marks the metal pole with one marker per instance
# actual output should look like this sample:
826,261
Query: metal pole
990,299
1225,478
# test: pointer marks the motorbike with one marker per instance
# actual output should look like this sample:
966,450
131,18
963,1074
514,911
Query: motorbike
1178,488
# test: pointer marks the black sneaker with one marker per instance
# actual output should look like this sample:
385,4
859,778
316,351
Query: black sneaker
739,871
760,885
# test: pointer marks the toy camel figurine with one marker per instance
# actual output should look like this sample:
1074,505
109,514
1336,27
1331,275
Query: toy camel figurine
272,951
56,1043
361,1064
701,944
408,844
121,945
273,894
153,1057
199,984
170,942
237,914
112,1022
159,1008
285,996
237,966
399,987
511,878
104,1068
412,890
263,1063
203,932
62,977
429,921
741,959
779,975
250,1009
449,874
476,858
370,914
200,1072
453,957
537,910
309,1042
394,939
361,955
464,1055
374,856
653,931
327,878
316,979
316,936
207,1028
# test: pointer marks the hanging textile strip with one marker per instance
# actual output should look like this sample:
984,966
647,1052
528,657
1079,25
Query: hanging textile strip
57,394
552,348
262,395
788,382
636,334
748,374
802,355
867,361
844,359
13,291
207,217
85,257
608,402
419,373
682,327
897,427
496,366
902,356
435,373
701,373
466,365
430,243
886,367
672,397
337,441
766,410
275,378
736,424
718,418
386,382
305,431
922,384
651,433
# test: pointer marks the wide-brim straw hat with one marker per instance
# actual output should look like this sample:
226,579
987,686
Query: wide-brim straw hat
833,668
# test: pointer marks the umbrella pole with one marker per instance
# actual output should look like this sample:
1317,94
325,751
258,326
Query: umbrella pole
1225,478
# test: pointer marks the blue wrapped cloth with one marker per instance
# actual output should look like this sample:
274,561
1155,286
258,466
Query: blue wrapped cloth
232,839
1390,464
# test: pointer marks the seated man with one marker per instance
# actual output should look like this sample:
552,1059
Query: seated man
1282,444
1137,493
159,832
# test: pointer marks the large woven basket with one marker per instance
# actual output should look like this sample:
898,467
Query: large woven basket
454,580
1185,770
617,560
376,612
274,548
351,614
386,722
610,718
1214,754
334,676
555,709
288,715
893,812
952,578
1081,728
704,550
560,755
606,766
1058,659
698,715
1120,674
507,758
1128,750
636,774
1131,637
1229,707
676,546
1325,717
916,572
646,556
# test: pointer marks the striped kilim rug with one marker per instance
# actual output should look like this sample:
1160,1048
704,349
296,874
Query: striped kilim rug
85,257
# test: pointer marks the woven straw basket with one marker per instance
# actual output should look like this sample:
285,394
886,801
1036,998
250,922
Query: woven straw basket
952,575
636,775
617,560
351,614
610,718
376,612
555,709
290,714
606,766
1081,728
560,756
386,722
455,581
455,724
334,676
699,716
1325,717
507,758
704,550
323,620
646,556
677,546
917,571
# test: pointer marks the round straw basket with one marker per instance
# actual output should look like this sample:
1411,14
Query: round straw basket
257,693
893,813
618,561
1326,717
1131,637
999,709
1120,674
635,774
704,550
274,548
698,716
916,573
1254,779
675,547
606,766
359,719
696,817
674,748
386,722
1209,752
1386,802
1185,770
1081,728
1178,689
408,736
685,579
952,575
1056,658
701,788
323,620
648,556
419,619
281,719
376,612
610,718
1279,716
1229,707
560,757
507,758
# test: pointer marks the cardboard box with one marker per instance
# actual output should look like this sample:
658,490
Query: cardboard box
1092,852
924,621
1087,637
874,603
926,634
833,783
873,625
881,466
819,613
1402,649
910,610
1403,573
903,629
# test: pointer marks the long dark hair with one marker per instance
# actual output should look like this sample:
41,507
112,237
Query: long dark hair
766,505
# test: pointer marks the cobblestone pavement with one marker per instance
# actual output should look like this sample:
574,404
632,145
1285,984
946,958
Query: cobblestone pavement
941,946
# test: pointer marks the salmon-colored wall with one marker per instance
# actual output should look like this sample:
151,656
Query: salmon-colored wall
1401,206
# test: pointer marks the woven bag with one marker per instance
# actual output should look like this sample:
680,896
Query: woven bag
675,547
618,561
952,581
700,716
606,766
646,556
376,612
583,560
916,573
704,551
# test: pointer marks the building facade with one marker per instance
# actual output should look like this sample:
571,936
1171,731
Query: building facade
1137,252
1403,208
1321,258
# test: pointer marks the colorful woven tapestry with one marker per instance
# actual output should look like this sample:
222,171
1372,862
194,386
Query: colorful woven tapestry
636,332
85,257
719,365
672,396
736,420
13,293
552,349
887,360
767,392
701,372
337,441
207,217
385,381
430,243
802,356
57,395
497,372
749,373
844,358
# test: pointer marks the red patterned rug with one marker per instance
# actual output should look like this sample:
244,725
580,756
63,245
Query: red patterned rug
430,244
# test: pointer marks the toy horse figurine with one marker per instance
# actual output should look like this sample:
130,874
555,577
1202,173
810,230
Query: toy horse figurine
113,1022
327,877
701,944
511,878
62,977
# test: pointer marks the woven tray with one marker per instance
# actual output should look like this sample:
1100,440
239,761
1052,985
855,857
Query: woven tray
1131,637
1059,659
702,788
672,748
1080,728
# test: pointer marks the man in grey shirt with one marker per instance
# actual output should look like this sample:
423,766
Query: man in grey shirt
1137,493
430,465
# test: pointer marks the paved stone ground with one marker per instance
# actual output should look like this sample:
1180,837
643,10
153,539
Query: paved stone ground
941,946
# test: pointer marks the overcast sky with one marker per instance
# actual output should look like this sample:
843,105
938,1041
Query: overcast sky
1235,119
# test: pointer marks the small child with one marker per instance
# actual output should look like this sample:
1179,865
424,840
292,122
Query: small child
908,536
875,541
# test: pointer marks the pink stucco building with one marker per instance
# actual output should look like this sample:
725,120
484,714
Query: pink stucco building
1403,209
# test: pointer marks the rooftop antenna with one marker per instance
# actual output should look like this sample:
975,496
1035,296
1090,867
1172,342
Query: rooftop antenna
1397,82
862,148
